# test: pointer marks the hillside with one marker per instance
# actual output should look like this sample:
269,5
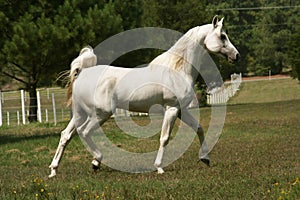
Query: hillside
267,91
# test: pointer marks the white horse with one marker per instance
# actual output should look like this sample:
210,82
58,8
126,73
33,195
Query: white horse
168,80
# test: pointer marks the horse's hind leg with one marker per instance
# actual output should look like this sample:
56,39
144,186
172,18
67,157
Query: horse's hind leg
187,118
86,130
168,123
65,138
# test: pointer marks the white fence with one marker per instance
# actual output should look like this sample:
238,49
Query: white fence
222,94
51,106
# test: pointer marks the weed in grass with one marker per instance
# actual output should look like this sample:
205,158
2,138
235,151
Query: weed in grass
289,190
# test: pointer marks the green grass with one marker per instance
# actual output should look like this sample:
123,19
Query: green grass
257,157
267,91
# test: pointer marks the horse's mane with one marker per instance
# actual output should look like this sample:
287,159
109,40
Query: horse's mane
86,58
176,57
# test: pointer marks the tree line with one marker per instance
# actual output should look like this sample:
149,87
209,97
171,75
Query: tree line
39,38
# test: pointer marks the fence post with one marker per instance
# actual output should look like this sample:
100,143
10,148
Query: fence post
46,112
0,108
7,113
18,117
39,110
48,93
23,107
54,109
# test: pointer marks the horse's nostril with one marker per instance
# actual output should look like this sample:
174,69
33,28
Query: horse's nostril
237,56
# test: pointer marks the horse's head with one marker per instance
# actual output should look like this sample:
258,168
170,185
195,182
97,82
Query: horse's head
217,41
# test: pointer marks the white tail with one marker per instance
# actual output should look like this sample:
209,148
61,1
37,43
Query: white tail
86,59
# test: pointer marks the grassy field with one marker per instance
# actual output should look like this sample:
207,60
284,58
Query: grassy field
257,157
268,91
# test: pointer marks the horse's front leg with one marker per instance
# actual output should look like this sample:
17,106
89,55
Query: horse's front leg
167,126
65,138
187,118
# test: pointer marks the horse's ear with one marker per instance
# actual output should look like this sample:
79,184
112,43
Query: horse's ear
215,21
221,21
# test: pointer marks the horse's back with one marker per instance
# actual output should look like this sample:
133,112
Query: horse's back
138,89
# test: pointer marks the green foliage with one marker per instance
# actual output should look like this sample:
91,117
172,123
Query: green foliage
175,14
42,42
261,30
44,38
294,50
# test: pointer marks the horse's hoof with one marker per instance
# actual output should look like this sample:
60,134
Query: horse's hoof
95,165
160,170
205,161
53,173
95,168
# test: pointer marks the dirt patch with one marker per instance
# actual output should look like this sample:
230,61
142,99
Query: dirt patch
39,149
13,151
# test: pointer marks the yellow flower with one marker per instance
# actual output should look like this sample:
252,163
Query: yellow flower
42,190
276,184
295,182
268,190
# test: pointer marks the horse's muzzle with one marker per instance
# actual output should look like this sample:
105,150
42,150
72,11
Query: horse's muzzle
234,58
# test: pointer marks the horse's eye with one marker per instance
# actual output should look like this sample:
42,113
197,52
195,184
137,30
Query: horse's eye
223,37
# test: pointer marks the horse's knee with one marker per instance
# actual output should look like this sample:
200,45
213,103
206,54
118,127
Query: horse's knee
65,138
164,141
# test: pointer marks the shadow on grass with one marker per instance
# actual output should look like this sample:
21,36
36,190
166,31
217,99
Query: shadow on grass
8,139
288,102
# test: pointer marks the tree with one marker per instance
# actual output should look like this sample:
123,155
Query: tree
294,51
263,48
260,29
43,37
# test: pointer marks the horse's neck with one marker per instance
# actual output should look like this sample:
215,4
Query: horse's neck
194,51
185,56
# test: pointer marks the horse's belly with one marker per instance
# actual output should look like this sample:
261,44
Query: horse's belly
140,99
